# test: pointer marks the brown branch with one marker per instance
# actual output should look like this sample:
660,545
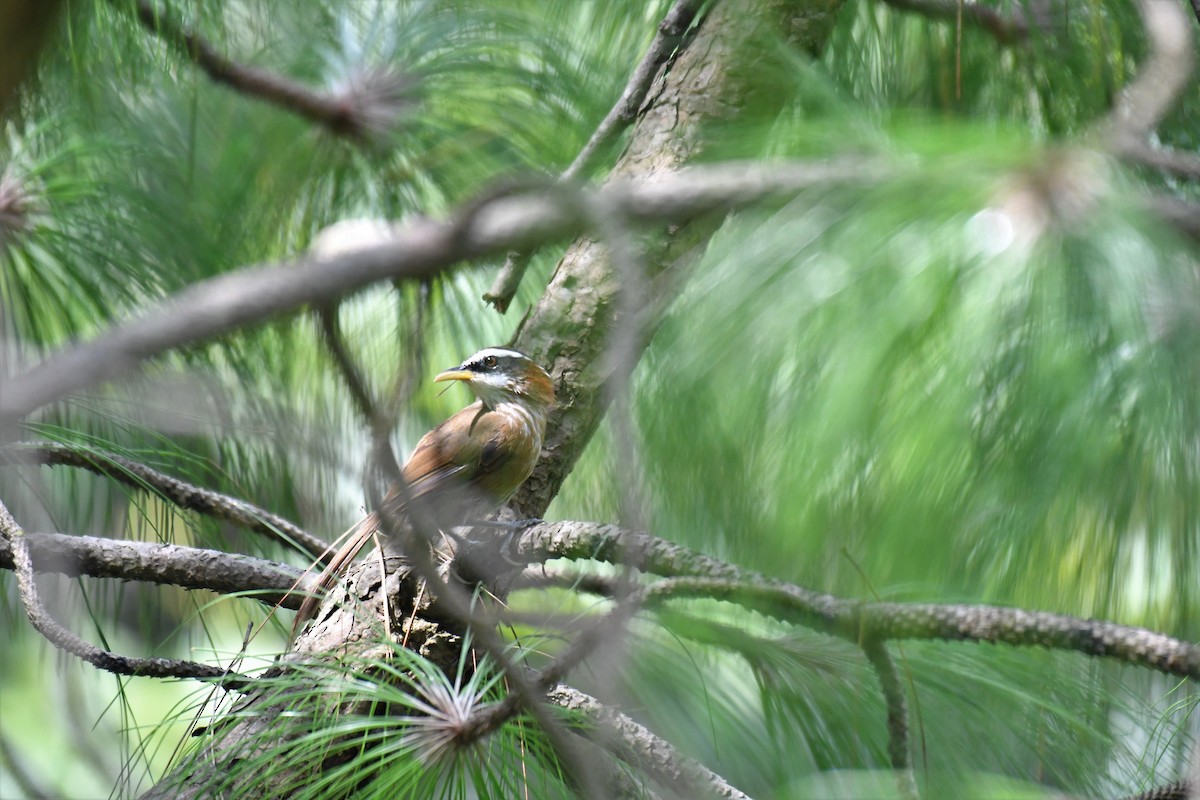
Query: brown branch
367,108
1171,791
1007,30
848,619
356,384
666,42
634,744
185,495
269,582
67,641
897,716
217,306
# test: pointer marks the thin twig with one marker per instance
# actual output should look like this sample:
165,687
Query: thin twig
67,641
365,108
184,495
668,39
666,43
356,384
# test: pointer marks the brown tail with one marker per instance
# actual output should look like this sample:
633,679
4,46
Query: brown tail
356,539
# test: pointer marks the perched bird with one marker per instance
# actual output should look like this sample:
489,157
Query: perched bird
470,464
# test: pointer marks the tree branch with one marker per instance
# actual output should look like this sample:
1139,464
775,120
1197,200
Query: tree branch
1160,79
850,619
272,583
185,495
666,42
1007,30
65,640
634,744
370,107
1164,159
214,307
897,716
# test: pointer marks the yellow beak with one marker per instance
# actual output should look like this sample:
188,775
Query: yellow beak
455,374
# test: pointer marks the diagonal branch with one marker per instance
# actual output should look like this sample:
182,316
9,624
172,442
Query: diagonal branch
666,42
272,583
185,495
849,619
217,306
360,110
65,640
634,744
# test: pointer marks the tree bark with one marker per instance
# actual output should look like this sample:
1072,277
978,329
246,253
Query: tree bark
721,75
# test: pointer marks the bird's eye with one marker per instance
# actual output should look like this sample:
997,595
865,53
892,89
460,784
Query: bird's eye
490,362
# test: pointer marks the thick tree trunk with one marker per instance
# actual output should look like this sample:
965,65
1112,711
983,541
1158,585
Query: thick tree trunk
723,73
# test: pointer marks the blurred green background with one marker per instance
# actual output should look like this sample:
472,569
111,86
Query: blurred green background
976,381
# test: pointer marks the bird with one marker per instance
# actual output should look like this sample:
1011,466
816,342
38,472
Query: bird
469,465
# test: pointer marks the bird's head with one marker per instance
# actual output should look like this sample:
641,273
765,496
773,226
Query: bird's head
496,375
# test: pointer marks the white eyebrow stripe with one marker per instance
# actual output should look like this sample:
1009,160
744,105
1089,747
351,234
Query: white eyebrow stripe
499,352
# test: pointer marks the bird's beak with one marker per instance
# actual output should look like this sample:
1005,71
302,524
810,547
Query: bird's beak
456,374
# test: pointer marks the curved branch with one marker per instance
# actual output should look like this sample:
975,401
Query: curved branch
669,37
272,583
183,494
897,716
65,640
1160,80
370,107
217,306
850,619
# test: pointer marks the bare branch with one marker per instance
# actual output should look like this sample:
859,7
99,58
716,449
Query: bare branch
849,619
371,106
897,716
1160,80
269,582
183,494
669,37
1007,30
1171,791
1165,159
634,744
666,42
356,384
65,640
213,307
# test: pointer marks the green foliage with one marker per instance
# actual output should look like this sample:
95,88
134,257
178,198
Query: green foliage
976,381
